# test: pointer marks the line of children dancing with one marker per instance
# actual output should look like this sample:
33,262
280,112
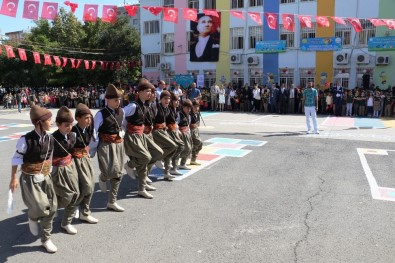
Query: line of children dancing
56,170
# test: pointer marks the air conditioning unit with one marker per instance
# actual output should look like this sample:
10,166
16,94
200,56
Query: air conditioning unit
382,60
235,59
164,66
342,58
253,60
363,59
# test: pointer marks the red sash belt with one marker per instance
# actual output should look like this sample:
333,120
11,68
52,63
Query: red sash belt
172,126
35,168
110,138
183,129
160,126
80,152
133,129
147,129
61,161
193,126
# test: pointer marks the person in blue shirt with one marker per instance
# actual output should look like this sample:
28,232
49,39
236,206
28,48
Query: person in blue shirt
194,93
310,98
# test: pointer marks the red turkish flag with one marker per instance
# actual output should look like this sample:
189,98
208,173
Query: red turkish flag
86,62
109,13
118,65
339,20
36,57
155,10
390,23
289,22
210,12
190,14
10,51
22,54
64,62
377,22
72,60
90,13
102,65
271,19
58,63
256,17
170,14
49,10
73,6
47,60
322,21
305,21
9,8
355,23
93,64
131,9
112,65
238,14
30,10
78,63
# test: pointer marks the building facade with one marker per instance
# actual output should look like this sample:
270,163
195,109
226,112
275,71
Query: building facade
166,47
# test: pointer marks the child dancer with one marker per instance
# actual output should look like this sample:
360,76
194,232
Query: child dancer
183,125
196,141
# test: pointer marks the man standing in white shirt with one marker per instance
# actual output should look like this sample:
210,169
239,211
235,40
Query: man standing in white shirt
214,91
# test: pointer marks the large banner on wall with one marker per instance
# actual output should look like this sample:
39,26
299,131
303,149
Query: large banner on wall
205,38
381,43
321,44
267,47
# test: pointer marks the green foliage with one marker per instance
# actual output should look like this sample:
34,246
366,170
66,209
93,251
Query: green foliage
68,37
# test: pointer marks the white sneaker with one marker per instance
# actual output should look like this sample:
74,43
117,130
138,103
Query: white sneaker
150,188
69,229
115,207
130,171
148,180
77,213
49,246
159,164
316,132
90,219
34,227
103,186
145,194
174,172
308,132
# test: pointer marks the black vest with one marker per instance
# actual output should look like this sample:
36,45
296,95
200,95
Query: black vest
111,124
195,118
172,116
35,152
150,114
138,118
58,150
82,137
161,114
184,119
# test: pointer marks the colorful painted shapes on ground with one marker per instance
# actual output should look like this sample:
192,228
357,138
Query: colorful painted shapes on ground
359,122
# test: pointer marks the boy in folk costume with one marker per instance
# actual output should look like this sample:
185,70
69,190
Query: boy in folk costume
33,153
64,174
172,130
136,146
161,137
84,133
184,120
109,145
194,126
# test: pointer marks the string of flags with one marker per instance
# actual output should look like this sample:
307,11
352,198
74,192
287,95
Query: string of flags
64,61
49,11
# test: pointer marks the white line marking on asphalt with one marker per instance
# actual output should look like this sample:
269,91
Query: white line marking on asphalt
257,119
374,188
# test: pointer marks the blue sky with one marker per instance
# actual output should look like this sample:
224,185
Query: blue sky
10,24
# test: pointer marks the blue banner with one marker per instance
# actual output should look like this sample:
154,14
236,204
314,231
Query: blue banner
184,80
267,47
321,44
381,43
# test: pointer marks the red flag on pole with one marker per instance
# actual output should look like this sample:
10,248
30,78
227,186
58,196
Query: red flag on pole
102,65
190,14
390,23
155,10
72,60
90,13
58,63
256,17
238,14
322,21
10,51
22,54
86,62
339,20
64,62
9,8
271,19
36,57
78,63
112,65
305,21
47,60
356,24
210,12
170,14
93,64
289,22
377,22
30,10
109,13
131,9
49,10
73,6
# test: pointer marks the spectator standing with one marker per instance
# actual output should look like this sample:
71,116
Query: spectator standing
214,91
310,98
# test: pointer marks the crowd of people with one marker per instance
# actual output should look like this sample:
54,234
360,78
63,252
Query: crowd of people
157,128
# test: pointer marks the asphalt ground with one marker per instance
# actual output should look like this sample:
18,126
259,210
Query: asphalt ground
297,198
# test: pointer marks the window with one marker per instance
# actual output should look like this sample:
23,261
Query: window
308,32
256,76
189,34
193,4
287,1
344,32
237,76
168,43
342,75
168,3
286,76
169,77
151,27
237,38
288,36
209,78
306,75
151,60
255,34
210,4
369,30
361,72
256,2
237,3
